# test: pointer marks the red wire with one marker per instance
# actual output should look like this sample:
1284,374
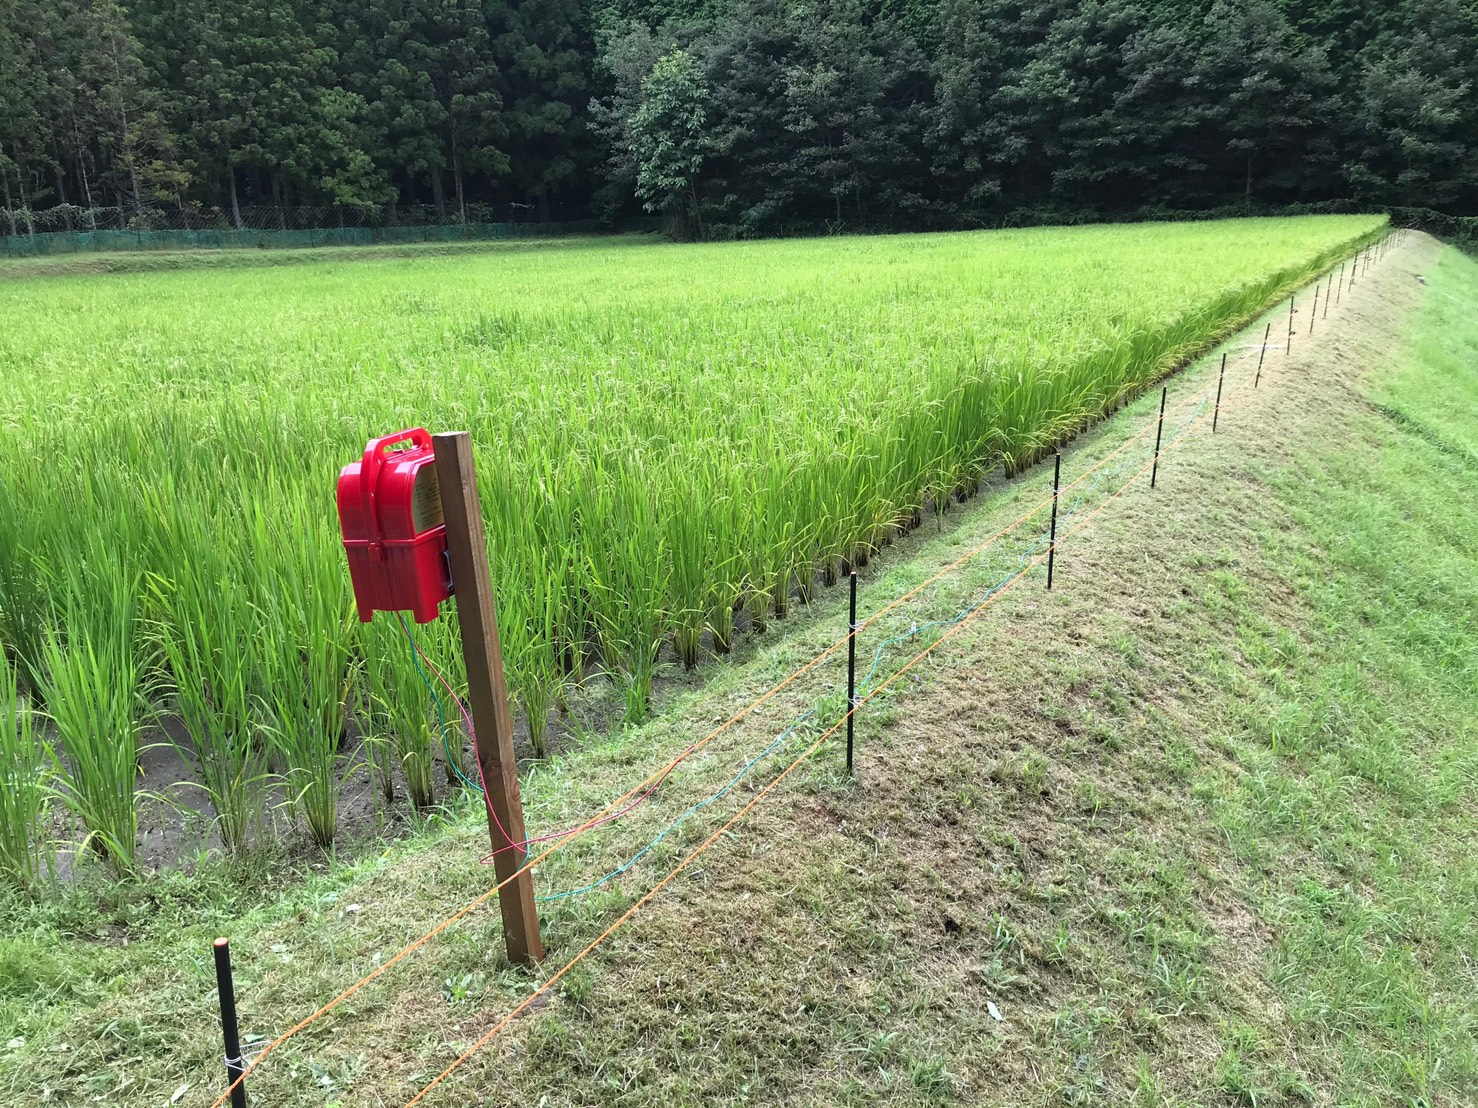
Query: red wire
482,779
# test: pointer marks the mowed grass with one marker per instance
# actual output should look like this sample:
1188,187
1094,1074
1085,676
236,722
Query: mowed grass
673,442
1198,826
1354,810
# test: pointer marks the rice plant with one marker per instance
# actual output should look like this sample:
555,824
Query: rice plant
205,636
305,665
23,600
666,439
689,541
630,583
400,712
379,748
528,631
25,785
90,678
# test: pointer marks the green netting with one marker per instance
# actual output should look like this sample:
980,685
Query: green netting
76,242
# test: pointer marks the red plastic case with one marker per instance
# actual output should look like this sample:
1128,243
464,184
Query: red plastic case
394,534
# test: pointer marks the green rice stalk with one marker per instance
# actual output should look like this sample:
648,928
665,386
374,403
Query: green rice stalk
401,726
89,678
27,767
304,657
379,746
206,636
23,600
689,540
630,585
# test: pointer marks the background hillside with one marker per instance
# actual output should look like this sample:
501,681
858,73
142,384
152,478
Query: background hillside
729,116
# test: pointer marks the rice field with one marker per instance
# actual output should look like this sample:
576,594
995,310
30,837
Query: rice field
674,442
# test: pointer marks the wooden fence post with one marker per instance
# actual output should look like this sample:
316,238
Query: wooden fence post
487,691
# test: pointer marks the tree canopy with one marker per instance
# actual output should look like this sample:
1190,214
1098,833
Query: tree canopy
732,117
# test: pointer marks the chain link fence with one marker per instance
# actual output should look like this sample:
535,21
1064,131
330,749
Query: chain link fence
68,228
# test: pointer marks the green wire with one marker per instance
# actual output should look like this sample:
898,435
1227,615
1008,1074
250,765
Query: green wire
446,743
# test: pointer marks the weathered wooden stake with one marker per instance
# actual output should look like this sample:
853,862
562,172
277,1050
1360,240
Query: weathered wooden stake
1327,292
1289,348
1340,284
1314,311
487,691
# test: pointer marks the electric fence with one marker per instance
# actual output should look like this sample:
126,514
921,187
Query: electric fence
1033,554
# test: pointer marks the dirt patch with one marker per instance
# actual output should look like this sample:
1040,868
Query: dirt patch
177,826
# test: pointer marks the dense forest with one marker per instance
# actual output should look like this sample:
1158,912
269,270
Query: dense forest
729,116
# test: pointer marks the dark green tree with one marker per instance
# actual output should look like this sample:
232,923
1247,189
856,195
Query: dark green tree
1268,101
855,98
669,139
751,185
24,129
544,51
386,56
1416,140
628,51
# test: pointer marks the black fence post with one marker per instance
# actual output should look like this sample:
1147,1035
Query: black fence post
1220,377
235,1063
1052,538
1314,311
1327,293
1340,284
1159,429
1289,348
1261,354
851,663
